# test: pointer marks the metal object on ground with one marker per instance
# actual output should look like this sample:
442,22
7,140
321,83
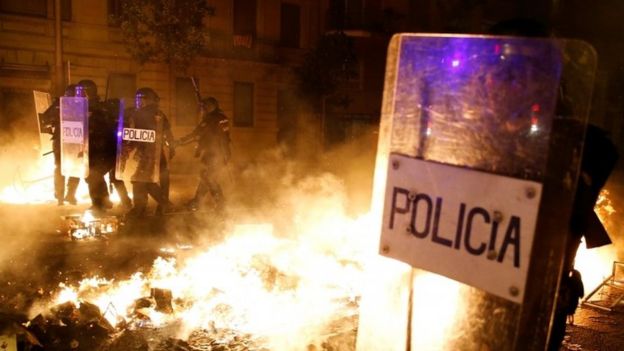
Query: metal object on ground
616,282
85,226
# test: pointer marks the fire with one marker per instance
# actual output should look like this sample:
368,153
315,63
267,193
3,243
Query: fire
596,264
438,296
288,291
30,183
33,183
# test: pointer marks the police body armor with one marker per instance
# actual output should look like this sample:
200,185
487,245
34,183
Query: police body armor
473,190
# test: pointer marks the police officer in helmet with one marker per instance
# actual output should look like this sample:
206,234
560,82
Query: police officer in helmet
213,150
51,119
147,116
102,149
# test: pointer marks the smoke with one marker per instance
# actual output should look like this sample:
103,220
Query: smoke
311,204
19,157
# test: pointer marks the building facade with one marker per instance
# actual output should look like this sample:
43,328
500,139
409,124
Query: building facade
247,64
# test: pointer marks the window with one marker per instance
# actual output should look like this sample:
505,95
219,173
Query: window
354,11
66,10
243,104
36,8
346,14
186,102
245,18
121,86
115,9
17,114
290,25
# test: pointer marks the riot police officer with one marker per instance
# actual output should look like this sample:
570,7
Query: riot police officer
146,116
213,150
51,119
102,149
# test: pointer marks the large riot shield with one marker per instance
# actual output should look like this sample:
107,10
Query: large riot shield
42,102
74,135
477,160
139,146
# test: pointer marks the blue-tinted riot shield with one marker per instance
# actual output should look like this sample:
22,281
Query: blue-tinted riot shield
477,162
74,135
139,145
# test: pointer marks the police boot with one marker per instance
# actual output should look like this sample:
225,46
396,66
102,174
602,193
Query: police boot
168,207
72,186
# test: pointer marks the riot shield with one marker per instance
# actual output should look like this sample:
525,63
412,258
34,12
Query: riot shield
42,102
74,137
139,146
474,182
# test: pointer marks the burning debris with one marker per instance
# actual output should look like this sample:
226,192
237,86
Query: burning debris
87,226
253,291
83,326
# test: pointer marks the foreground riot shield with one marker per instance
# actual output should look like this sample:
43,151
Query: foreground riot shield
139,146
477,163
42,102
74,137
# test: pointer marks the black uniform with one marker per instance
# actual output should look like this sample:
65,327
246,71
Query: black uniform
102,153
213,150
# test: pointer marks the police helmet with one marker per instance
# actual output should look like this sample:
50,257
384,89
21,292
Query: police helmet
90,88
147,93
70,90
210,100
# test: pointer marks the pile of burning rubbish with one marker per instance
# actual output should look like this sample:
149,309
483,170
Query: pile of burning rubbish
68,326
253,291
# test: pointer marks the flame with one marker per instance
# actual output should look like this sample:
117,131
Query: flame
596,264
286,290
434,295
33,183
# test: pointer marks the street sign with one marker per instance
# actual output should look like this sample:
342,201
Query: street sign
471,226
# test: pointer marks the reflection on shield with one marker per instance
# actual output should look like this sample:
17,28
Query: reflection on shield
74,137
139,149
42,102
